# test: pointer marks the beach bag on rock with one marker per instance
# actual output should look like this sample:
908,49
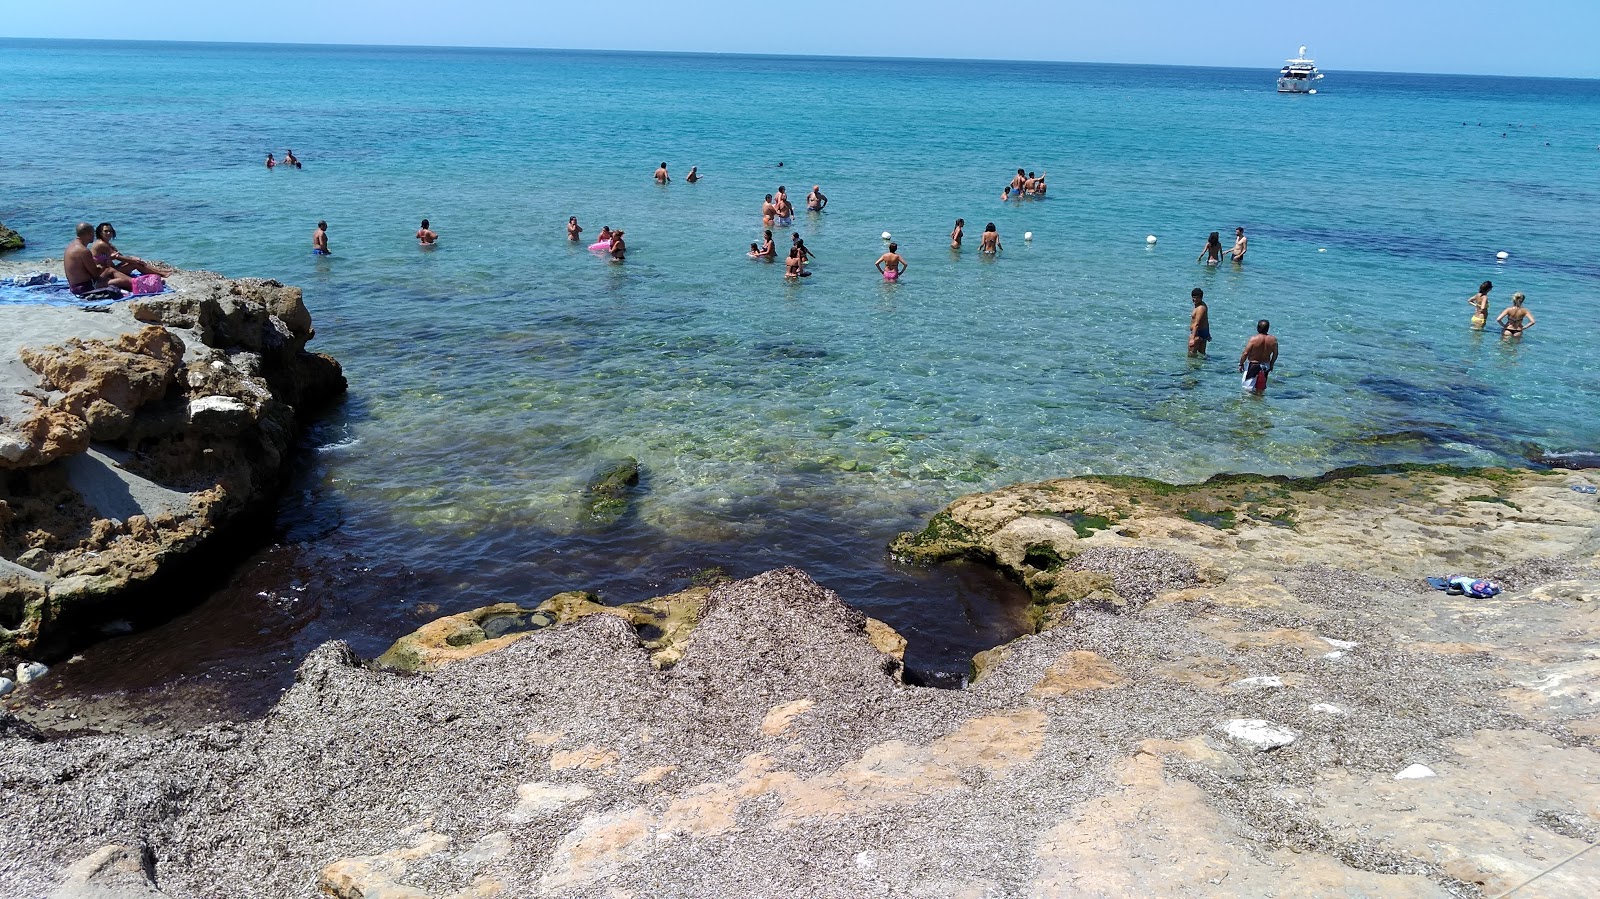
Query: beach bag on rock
148,284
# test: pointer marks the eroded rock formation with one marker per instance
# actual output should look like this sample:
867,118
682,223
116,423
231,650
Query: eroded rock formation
129,438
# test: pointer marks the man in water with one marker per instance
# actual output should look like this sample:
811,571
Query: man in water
319,240
1199,323
661,174
83,272
815,201
425,235
1259,356
1240,244
891,265
694,174
1017,182
783,207
1515,319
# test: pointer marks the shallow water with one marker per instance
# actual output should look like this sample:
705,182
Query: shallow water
806,423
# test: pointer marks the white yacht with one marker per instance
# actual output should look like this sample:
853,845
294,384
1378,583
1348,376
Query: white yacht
1299,75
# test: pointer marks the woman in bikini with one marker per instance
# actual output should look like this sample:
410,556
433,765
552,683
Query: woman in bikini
105,253
991,240
956,233
573,228
1212,254
1480,305
1515,320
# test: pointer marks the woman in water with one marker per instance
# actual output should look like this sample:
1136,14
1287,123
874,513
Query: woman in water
271,163
618,248
795,266
694,174
768,248
605,236
1480,305
1212,254
991,240
1515,320
956,232
573,228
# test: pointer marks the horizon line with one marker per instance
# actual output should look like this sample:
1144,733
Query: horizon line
634,52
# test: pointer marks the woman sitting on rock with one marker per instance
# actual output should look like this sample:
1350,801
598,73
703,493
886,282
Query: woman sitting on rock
105,253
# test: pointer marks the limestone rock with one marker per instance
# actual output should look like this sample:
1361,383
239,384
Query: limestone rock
28,672
1258,734
41,436
110,872
105,382
606,496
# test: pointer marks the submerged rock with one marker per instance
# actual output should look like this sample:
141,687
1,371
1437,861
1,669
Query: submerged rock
10,240
607,493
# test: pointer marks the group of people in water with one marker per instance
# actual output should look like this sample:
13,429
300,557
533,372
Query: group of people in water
1260,353
93,264
1212,254
289,161
1025,185
608,243
1514,320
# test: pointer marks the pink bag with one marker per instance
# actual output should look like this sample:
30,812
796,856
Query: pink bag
148,284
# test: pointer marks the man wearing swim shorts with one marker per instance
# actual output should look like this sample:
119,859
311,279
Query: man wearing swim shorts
1241,244
1199,323
661,174
1259,357
83,273
816,201
891,265
319,240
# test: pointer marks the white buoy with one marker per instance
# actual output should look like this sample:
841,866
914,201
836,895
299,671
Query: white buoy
1150,239
1027,235
1502,255
1322,249
885,235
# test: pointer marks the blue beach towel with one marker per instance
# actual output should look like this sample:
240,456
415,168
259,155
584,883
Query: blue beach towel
48,290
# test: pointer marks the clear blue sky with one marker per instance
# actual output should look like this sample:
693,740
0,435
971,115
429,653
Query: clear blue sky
1532,37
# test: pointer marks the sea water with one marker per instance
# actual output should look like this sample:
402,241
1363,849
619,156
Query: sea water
805,423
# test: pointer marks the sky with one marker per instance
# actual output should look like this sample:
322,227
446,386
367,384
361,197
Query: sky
1493,37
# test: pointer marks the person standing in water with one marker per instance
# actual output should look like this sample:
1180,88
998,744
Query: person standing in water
1241,245
1199,323
1212,254
1018,181
661,174
618,248
768,211
816,201
1480,305
1515,320
694,174
956,234
991,240
783,207
1260,356
319,240
271,163
574,230
289,158
891,265
425,235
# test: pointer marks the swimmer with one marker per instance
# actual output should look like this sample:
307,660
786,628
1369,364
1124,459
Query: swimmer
891,265
1039,187
289,159
956,233
768,211
694,174
1030,186
574,230
805,253
991,240
1005,194
1241,245
816,201
768,248
661,174
618,248
783,207
1480,305
605,235
319,240
425,235
1259,357
795,266
1515,320
1019,181
1199,323
271,163
1212,254
755,251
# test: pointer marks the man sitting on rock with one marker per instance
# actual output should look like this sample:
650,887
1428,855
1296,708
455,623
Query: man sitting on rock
84,274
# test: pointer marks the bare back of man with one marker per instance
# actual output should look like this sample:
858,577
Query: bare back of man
77,262
1260,356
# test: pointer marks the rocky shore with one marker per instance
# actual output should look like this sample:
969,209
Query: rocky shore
1241,688
132,438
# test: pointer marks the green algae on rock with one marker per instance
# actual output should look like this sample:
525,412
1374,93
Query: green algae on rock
10,240
606,496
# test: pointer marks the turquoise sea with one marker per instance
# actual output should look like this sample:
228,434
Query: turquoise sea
806,423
